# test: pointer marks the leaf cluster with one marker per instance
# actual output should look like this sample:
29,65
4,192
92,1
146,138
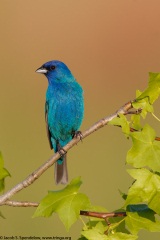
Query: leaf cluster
142,200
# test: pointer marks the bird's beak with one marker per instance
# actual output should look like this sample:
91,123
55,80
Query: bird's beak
41,70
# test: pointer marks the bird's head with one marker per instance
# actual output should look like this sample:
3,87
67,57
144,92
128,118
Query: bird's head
56,71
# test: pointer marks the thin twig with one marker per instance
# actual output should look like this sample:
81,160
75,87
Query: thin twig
38,172
103,215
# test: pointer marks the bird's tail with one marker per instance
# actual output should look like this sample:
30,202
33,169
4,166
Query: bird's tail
60,171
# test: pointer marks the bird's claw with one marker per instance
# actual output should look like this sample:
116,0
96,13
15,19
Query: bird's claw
62,152
78,134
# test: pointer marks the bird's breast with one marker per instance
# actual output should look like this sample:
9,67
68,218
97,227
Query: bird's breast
65,111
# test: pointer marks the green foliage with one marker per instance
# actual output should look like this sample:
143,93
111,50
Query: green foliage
142,103
146,98
146,188
135,120
95,232
3,173
99,232
141,217
67,203
122,122
145,150
152,92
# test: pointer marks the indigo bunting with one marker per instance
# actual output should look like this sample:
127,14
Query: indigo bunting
64,110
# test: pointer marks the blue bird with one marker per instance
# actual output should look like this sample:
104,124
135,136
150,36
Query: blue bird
64,110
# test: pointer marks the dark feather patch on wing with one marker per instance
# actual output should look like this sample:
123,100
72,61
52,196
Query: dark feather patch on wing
47,128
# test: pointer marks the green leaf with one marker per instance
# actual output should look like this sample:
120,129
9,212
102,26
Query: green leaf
142,103
144,189
141,217
96,232
121,120
152,92
3,173
135,119
145,150
123,195
118,224
67,203
82,238
122,236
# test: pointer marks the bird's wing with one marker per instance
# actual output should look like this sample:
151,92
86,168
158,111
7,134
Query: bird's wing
47,128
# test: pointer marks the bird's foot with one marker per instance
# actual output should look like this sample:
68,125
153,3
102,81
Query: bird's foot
62,152
78,134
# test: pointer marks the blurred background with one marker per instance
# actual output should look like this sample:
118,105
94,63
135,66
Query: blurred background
110,46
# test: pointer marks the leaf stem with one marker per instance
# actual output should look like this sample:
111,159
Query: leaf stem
83,222
155,117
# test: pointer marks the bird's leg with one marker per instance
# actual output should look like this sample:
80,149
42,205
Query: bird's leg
76,134
61,150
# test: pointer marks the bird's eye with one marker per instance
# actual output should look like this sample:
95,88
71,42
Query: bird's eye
52,67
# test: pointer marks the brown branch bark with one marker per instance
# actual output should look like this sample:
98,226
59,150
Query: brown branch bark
38,172
21,204
103,215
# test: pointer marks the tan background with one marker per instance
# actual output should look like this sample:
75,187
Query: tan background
110,46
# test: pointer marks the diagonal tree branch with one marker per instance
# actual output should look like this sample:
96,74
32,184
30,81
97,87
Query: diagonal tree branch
38,172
